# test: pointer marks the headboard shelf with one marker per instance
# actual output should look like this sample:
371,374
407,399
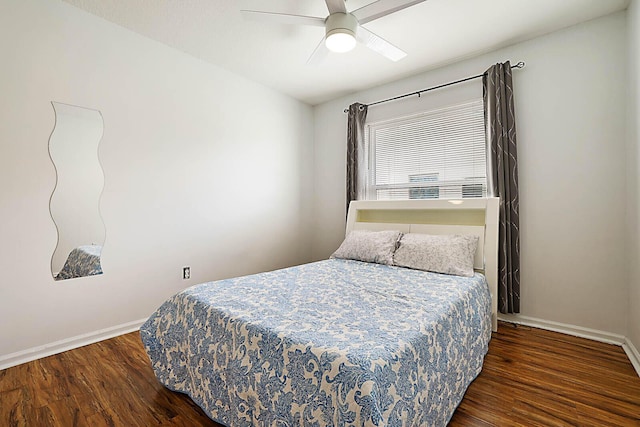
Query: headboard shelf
424,216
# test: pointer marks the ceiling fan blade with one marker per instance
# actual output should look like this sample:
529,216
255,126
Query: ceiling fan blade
380,45
319,54
283,18
336,6
381,8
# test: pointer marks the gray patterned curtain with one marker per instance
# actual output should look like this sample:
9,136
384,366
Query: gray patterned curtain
356,169
502,179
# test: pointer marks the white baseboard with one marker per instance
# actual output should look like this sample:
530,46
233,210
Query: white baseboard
633,353
17,358
578,331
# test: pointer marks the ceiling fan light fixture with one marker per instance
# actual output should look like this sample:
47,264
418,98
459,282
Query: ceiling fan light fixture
341,32
340,41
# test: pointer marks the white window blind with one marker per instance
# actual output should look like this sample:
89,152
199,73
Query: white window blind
436,154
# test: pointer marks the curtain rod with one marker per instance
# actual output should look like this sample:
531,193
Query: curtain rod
520,64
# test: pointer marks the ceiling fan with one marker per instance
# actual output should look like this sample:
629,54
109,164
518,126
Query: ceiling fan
342,28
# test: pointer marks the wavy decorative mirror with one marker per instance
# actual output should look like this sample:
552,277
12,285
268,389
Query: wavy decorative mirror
75,202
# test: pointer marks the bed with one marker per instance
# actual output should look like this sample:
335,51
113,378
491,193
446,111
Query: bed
337,342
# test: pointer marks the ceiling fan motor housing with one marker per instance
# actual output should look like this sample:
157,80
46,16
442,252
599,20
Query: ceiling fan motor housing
341,23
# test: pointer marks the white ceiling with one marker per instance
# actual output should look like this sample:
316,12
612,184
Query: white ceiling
433,33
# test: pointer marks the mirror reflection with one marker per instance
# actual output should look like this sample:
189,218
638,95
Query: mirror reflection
74,205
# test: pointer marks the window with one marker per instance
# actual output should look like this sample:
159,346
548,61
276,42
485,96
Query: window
436,154
472,190
430,192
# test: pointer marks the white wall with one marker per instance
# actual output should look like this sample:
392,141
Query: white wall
202,168
633,167
570,109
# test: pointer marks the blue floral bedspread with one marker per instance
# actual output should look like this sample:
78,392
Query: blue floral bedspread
331,343
83,261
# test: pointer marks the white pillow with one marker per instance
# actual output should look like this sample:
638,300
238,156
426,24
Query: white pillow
449,254
369,246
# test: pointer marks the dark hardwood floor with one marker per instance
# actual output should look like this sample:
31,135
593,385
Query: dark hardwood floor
530,377
533,377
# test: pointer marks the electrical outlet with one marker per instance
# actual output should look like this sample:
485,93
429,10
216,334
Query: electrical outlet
186,273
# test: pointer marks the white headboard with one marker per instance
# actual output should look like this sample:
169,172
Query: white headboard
461,216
